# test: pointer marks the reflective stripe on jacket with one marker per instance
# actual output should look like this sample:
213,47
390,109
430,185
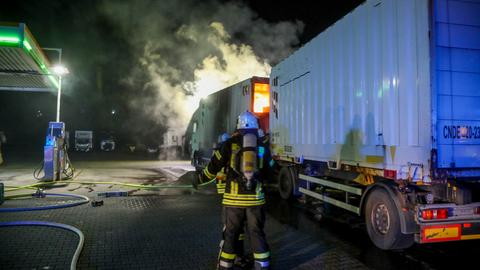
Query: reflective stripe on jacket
220,181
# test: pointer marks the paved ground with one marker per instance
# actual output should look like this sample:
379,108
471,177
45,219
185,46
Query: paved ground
180,229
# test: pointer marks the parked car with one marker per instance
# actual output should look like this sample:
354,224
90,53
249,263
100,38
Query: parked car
107,144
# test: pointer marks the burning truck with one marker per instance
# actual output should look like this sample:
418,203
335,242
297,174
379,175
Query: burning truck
377,115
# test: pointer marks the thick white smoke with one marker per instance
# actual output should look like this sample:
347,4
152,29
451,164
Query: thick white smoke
237,63
188,50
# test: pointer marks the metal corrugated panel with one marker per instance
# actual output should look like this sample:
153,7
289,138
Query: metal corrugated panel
22,80
359,91
218,113
240,100
15,59
19,72
22,61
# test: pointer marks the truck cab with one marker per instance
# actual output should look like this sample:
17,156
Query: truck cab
83,140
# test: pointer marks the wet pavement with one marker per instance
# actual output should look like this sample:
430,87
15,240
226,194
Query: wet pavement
180,229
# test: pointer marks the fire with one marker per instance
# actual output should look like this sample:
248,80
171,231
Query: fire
261,98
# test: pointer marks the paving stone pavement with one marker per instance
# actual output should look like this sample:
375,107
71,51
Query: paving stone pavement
145,232
157,232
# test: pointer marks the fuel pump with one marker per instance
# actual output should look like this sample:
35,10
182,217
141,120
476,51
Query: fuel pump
54,151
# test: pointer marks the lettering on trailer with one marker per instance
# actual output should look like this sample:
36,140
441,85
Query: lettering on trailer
461,132
288,148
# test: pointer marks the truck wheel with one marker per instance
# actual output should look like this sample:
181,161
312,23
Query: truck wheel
285,183
383,222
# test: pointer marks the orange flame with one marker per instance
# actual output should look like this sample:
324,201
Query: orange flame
261,97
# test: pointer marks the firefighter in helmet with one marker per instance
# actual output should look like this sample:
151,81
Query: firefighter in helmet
243,156
220,181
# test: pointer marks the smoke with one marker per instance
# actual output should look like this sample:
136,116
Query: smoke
186,50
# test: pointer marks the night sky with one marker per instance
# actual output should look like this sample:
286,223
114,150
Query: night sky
104,43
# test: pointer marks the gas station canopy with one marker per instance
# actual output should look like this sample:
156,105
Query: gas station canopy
23,65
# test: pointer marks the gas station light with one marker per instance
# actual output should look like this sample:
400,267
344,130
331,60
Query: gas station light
60,70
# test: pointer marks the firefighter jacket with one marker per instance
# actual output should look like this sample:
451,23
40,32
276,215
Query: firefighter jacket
236,192
220,181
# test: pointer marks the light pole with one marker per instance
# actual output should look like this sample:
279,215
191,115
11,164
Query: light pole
58,70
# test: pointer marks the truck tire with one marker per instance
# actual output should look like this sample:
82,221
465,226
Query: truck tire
383,222
286,185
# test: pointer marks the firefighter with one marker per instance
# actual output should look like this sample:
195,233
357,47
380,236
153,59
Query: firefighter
220,181
243,156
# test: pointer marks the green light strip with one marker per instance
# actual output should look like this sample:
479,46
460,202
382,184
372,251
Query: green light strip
27,45
10,40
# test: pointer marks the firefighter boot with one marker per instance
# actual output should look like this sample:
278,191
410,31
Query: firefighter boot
226,261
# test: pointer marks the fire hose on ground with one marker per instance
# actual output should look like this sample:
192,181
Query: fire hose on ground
84,200
76,255
46,207
140,186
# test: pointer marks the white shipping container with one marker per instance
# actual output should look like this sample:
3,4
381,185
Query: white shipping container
392,85
218,113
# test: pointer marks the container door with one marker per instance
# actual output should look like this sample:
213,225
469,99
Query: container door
457,84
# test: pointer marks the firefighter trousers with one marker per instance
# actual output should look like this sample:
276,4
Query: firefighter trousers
235,218
239,244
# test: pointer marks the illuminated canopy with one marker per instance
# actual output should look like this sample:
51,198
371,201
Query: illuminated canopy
23,65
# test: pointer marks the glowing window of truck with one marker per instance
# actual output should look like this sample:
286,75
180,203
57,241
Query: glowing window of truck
261,98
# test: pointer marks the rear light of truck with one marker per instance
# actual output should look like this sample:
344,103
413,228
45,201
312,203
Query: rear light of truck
477,211
391,174
434,214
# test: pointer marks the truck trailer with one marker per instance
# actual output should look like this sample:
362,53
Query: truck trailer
172,144
379,115
218,112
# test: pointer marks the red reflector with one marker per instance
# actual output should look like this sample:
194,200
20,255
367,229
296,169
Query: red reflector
442,213
467,225
392,174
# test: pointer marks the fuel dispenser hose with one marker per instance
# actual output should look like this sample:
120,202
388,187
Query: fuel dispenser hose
76,255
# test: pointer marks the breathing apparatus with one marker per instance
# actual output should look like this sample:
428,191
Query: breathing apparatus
247,124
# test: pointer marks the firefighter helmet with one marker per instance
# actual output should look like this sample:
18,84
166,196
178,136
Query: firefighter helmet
247,120
222,138
261,133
